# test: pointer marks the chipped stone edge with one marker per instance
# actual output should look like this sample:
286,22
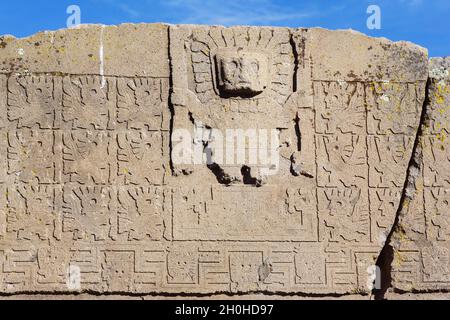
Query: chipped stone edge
438,70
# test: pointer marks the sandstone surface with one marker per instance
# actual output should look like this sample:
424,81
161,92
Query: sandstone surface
184,159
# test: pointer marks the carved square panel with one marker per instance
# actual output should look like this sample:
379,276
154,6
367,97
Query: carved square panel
241,73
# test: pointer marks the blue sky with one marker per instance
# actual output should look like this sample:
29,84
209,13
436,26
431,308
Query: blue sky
425,22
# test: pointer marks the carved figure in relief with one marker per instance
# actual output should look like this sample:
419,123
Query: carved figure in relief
241,73
85,102
31,101
87,214
241,79
86,156
140,103
31,156
344,218
53,265
31,215
140,213
182,265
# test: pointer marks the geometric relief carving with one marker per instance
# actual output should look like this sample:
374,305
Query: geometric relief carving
88,188
422,240
383,209
389,156
394,108
139,156
310,268
34,101
117,271
342,160
87,212
339,190
436,159
438,110
89,259
52,265
347,267
340,107
88,102
302,202
133,269
344,214
32,214
87,156
182,265
436,264
140,213
244,213
3,100
32,156
437,210
245,272
19,268
140,103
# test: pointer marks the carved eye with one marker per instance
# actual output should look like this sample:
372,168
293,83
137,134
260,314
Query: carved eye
93,91
39,91
231,66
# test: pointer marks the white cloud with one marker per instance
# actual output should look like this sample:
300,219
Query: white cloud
125,8
234,12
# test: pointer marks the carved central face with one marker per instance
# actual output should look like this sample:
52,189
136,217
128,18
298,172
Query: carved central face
241,73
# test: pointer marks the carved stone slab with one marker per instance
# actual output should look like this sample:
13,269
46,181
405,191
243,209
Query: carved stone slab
421,257
94,197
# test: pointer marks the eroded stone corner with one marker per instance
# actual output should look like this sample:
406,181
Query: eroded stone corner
416,256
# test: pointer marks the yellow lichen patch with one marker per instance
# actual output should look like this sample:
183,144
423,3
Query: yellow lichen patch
442,90
398,259
440,99
441,136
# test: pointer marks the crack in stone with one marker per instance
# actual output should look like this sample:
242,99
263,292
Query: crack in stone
386,255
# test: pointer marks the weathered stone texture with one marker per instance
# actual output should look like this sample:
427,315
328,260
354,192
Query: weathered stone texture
421,241
91,188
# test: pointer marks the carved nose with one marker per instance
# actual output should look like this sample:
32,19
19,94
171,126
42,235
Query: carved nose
244,72
244,75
